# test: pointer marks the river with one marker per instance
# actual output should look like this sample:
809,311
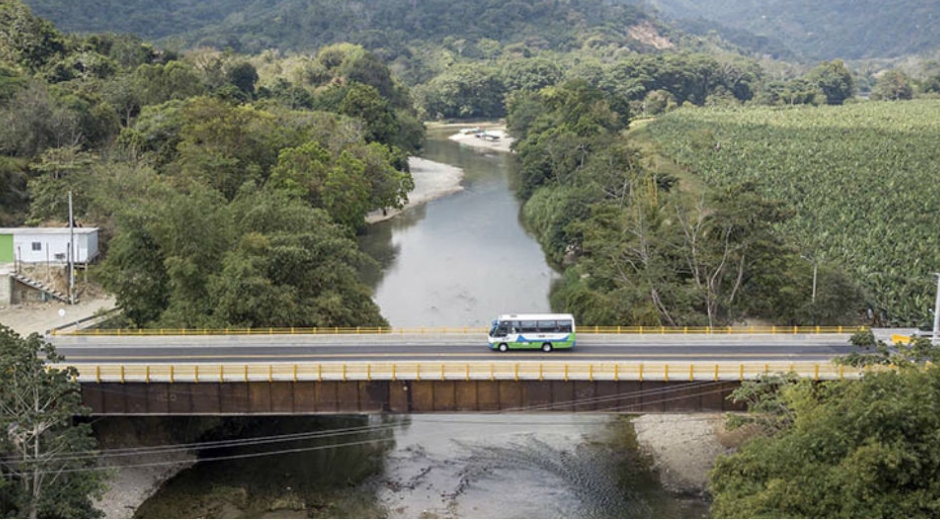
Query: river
462,259
458,260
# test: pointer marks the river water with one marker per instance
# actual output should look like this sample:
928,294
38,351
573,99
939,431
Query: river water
462,259
455,261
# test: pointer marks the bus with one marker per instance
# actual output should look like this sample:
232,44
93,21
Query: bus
532,331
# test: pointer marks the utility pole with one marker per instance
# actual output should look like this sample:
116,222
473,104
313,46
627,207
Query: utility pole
71,253
815,272
936,314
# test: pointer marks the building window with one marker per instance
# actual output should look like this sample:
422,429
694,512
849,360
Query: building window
37,246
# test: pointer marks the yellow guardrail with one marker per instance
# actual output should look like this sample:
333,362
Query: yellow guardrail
460,330
438,371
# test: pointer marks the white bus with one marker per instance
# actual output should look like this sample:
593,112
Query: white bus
532,331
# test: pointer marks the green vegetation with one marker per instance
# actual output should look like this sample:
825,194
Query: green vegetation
47,469
859,180
840,449
228,188
817,30
637,251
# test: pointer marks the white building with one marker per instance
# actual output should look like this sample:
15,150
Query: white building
41,245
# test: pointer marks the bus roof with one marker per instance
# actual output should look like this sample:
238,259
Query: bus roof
536,317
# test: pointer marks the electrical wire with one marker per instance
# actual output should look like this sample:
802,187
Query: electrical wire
256,441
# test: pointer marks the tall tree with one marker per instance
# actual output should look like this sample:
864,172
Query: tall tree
48,463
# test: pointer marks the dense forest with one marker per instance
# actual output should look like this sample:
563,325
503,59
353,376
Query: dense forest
207,186
801,30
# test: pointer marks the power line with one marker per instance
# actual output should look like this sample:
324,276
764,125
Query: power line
255,441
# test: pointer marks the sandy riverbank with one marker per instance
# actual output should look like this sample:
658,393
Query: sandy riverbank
432,180
495,138
683,447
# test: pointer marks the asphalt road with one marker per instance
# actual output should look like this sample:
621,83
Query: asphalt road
440,347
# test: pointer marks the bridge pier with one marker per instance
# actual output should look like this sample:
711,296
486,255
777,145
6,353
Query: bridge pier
405,397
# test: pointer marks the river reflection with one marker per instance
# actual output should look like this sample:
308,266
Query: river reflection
464,258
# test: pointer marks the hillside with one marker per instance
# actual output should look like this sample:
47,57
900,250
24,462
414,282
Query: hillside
255,25
814,30
147,19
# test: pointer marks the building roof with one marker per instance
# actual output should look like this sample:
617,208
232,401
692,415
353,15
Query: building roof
47,231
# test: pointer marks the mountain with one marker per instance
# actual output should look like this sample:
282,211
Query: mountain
149,19
815,30
256,25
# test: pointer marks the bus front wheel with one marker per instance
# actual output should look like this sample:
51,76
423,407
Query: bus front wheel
546,347
503,347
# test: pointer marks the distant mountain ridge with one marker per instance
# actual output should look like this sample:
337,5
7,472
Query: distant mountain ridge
816,30
255,25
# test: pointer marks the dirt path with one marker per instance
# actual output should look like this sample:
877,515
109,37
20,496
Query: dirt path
41,317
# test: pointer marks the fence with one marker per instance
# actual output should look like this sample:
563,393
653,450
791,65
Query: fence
458,330
414,371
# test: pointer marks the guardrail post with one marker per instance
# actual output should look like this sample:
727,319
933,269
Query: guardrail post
816,372
716,371
418,372
172,377
842,370
98,373
641,372
369,372
591,372
394,377
221,373
666,373
566,372
147,374
741,372
196,373
122,374
492,372
617,372
320,372
295,373
766,368
344,371
540,372
246,373
515,371
468,372
791,367
442,372
691,372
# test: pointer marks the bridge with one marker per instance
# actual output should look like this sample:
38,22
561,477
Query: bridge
331,371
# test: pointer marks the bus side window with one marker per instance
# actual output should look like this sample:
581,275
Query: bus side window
548,326
529,326
503,328
516,327
564,326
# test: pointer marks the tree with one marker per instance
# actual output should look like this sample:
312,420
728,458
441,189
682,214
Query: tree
48,466
841,449
26,39
835,80
892,85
